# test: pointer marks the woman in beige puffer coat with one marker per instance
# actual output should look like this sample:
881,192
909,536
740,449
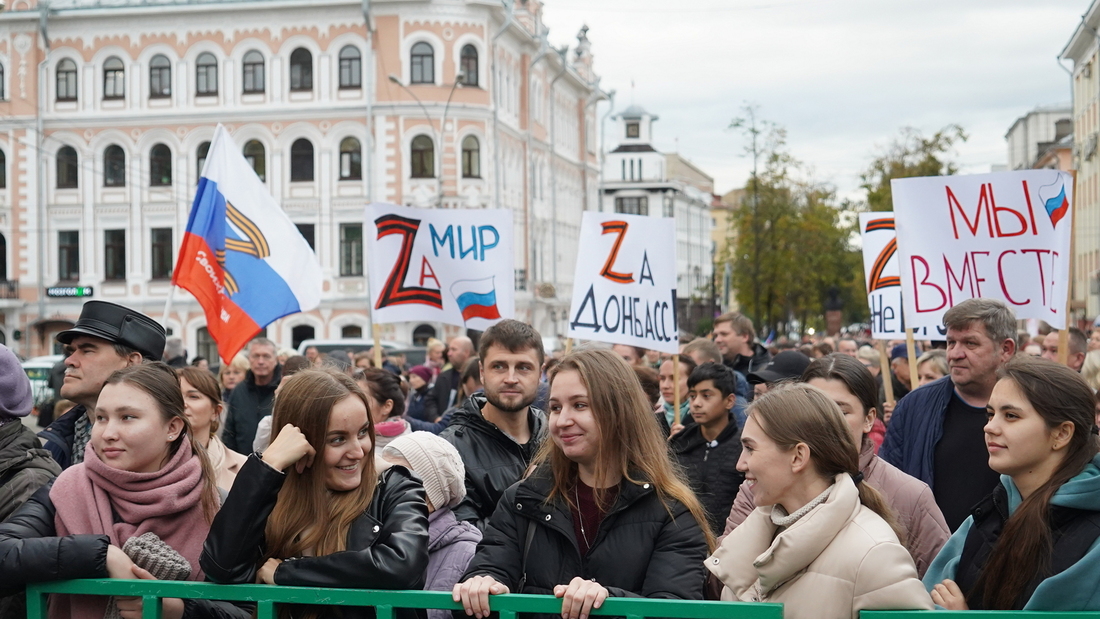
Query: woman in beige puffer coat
823,543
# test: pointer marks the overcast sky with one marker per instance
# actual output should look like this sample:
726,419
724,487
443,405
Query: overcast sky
842,76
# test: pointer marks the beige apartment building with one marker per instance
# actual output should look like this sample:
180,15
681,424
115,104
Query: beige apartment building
107,108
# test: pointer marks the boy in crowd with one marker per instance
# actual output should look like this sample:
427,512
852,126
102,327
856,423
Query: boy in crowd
708,449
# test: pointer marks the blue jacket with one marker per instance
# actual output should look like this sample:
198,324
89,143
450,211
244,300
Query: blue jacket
916,427
1075,589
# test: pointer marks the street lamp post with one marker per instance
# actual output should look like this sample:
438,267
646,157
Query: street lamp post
459,79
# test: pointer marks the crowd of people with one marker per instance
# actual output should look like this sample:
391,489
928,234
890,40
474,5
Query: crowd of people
733,470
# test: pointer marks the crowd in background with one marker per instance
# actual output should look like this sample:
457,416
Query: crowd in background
804,472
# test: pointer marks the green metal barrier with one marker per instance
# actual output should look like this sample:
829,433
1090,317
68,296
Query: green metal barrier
267,596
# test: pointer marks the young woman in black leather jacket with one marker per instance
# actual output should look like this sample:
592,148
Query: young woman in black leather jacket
312,511
603,514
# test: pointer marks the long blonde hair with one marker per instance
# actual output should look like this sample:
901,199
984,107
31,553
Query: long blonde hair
799,413
631,443
307,516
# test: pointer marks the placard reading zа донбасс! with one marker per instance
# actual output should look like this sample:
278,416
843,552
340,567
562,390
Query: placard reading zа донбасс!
1001,236
624,291
446,265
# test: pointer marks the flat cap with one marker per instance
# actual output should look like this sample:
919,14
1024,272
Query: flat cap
120,325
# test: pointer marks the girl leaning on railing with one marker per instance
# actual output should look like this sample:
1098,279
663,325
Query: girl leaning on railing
144,496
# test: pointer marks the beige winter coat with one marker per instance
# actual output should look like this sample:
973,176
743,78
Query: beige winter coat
835,561
910,498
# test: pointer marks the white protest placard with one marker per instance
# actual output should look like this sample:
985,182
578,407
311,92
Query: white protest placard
1002,236
880,268
447,265
624,291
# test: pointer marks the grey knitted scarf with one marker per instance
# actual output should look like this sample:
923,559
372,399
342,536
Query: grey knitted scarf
781,519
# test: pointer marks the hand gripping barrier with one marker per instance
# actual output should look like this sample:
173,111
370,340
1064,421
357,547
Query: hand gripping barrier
267,596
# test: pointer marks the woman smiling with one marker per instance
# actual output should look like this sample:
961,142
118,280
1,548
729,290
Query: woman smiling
311,510
1031,544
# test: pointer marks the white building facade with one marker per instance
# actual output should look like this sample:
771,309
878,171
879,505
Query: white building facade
639,180
107,109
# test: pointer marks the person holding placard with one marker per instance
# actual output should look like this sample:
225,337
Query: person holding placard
936,432
1031,544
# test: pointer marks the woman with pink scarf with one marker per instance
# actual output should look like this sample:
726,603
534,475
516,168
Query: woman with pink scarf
144,496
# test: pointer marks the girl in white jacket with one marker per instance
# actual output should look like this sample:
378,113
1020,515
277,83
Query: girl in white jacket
822,542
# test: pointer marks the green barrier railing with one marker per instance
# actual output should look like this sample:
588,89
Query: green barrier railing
267,596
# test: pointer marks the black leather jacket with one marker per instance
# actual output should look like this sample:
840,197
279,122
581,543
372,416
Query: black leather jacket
493,459
31,551
639,550
387,546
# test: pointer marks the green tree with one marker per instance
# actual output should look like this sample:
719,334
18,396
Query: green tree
793,240
910,154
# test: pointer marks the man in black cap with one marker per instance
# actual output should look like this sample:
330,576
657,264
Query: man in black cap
107,337
787,365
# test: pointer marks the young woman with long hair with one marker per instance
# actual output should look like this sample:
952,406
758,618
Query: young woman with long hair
202,402
603,512
823,542
312,511
143,472
850,385
1031,544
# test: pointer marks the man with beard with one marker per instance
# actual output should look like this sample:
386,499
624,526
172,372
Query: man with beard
498,432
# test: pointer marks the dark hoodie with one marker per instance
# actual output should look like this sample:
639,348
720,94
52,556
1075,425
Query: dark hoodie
24,466
493,459
747,365
248,404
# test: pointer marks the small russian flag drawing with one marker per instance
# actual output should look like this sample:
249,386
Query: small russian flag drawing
1055,201
476,298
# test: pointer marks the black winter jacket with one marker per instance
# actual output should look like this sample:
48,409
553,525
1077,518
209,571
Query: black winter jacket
387,546
711,468
438,398
639,549
248,404
24,466
493,459
747,365
1073,532
58,437
31,551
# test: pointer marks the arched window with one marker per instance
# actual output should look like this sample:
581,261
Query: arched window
160,166
114,78
206,75
471,157
160,77
67,168
301,160
254,155
301,69
253,72
351,160
66,80
469,65
200,157
351,331
3,170
300,334
422,160
351,67
422,67
114,166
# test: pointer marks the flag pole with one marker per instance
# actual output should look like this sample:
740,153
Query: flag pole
168,306
377,345
1063,334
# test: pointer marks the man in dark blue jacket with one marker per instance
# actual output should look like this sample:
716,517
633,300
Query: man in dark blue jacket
937,432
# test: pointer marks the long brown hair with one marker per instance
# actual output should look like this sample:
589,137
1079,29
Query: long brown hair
798,413
159,381
205,383
1058,394
307,516
631,442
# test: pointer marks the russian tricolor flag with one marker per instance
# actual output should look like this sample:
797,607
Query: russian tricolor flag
476,298
1055,200
242,258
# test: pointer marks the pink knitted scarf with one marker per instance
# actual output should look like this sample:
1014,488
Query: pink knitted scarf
168,502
